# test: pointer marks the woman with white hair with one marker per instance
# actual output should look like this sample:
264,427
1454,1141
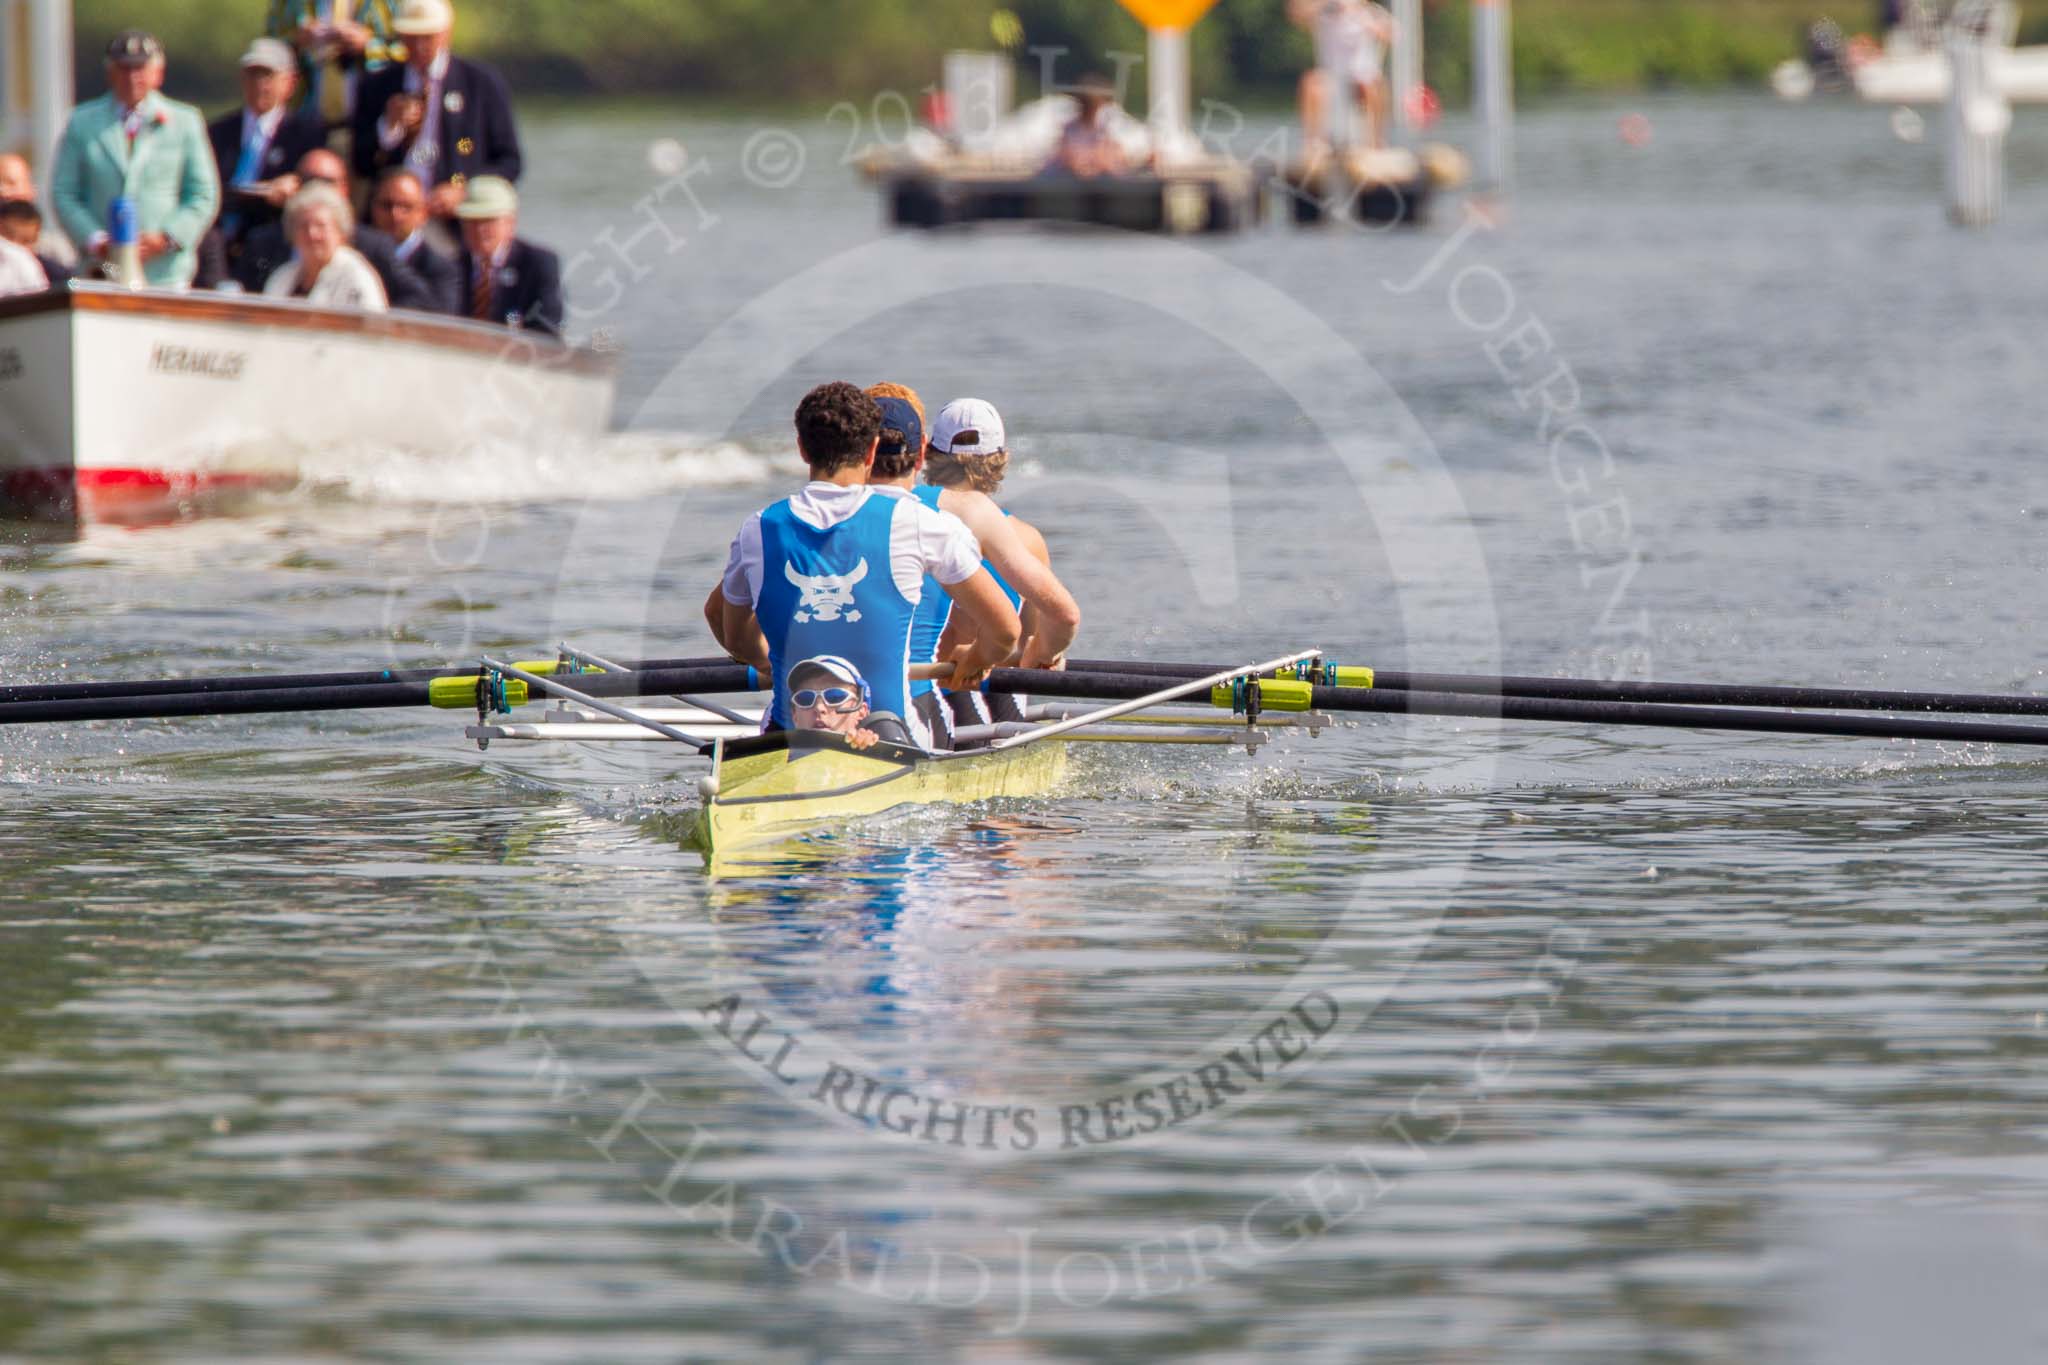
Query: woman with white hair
324,268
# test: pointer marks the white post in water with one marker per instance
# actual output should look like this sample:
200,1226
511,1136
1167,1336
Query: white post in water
1407,64
1166,73
980,90
1493,95
1978,116
46,74
1172,95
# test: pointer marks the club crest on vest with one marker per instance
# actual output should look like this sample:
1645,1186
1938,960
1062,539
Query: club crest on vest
826,597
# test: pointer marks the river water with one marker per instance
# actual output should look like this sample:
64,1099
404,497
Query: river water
327,1037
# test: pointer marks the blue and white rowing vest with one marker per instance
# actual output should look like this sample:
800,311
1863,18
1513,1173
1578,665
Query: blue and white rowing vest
935,609
834,592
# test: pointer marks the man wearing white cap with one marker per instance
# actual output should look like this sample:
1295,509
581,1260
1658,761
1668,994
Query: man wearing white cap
1012,551
256,146
448,119
964,465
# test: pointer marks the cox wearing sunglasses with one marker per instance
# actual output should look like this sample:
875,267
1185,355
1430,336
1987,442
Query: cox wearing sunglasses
828,693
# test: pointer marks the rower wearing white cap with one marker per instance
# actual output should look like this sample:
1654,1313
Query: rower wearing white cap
964,465
840,569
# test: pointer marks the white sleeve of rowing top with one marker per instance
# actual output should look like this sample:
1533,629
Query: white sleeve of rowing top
742,583
923,540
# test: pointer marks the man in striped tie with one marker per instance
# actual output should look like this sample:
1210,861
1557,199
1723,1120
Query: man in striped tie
508,280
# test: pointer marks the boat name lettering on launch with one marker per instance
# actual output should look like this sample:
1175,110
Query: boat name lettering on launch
168,359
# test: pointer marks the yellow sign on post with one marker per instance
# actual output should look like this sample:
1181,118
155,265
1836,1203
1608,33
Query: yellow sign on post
1168,13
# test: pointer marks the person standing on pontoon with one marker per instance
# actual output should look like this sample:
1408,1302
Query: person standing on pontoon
1352,37
840,567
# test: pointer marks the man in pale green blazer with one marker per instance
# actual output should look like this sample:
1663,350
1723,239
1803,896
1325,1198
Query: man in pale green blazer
135,142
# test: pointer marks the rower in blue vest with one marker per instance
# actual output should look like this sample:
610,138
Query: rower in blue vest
840,568
963,465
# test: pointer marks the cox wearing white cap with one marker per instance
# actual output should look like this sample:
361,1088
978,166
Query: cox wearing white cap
828,693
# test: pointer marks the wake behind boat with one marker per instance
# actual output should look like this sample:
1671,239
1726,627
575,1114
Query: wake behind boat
132,405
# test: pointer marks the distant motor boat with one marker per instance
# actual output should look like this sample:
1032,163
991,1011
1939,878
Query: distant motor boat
1910,66
1922,76
134,405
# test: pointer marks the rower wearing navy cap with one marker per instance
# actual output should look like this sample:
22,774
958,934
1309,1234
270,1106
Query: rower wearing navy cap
840,568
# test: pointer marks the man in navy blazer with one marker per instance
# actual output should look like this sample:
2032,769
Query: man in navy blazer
257,145
506,279
448,119
398,209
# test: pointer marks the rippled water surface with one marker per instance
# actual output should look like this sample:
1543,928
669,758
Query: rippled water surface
327,1037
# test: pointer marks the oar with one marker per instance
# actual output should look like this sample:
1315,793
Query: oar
448,691
1594,689
459,691
267,682
541,684
1145,698
173,698
1289,695
570,652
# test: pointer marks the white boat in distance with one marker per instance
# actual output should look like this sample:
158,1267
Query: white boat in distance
1911,66
138,405
1922,77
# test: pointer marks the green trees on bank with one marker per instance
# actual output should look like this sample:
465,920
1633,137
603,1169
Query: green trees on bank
816,51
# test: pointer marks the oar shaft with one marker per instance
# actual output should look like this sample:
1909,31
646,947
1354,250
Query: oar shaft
1655,715
723,677
1679,693
256,701
268,682
1111,686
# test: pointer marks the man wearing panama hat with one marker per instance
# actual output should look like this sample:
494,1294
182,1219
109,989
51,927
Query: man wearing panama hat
446,119
505,278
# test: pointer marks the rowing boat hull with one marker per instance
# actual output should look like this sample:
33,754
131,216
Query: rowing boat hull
770,795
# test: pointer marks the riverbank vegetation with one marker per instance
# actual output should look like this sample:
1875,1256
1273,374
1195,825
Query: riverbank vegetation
801,52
